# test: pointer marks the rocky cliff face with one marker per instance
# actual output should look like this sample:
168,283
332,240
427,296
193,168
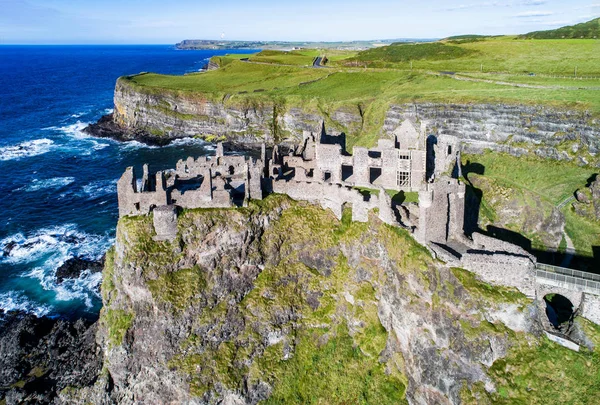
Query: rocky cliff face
42,357
282,303
173,115
547,132
515,129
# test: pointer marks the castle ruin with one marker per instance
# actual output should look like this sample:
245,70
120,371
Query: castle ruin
320,170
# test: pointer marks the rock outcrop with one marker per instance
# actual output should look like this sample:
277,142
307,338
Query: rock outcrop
514,129
282,302
42,357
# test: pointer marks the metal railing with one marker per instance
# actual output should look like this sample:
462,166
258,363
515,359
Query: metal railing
568,272
576,283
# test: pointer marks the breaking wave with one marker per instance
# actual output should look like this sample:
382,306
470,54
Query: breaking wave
99,188
45,250
15,301
44,184
26,149
54,244
75,131
84,288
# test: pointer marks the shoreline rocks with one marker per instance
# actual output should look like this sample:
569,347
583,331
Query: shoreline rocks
40,357
106,127
73,267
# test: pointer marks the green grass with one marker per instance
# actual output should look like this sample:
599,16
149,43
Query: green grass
225,60
584,233
117,323
546,373
382,56
233,78
551,181
538,80
589,29
499,54
300,58
369,93
178,288
336,372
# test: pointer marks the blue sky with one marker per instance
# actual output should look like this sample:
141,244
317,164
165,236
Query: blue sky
159,22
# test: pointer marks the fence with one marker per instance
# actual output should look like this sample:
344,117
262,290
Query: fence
580,280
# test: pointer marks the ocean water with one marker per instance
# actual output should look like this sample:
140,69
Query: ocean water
57,184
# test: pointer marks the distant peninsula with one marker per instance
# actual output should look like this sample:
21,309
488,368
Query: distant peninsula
199,44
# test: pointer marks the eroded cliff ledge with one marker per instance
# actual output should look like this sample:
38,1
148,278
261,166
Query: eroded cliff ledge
280,302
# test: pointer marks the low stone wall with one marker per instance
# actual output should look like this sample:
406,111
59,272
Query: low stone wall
329,196
502,269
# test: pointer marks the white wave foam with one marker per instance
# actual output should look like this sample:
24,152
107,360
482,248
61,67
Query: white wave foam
52,244
48,249
137,145
26,149
43,184
98,188
109,111
15,301
190,141
176,142
75,131
85,287
79,114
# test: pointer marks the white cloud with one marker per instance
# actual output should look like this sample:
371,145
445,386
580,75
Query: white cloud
527,14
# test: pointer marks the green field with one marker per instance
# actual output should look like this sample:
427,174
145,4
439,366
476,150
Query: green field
389,78
589,29
504,54
300,58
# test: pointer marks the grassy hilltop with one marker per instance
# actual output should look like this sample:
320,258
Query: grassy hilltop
495,68
468,70
590,29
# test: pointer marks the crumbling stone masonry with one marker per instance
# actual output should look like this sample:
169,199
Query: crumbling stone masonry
319,170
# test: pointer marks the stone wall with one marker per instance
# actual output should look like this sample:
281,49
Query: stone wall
502,269
441,210
329,196
591,308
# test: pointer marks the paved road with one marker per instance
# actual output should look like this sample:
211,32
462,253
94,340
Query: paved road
317,62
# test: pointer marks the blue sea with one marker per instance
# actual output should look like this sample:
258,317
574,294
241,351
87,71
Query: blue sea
57,184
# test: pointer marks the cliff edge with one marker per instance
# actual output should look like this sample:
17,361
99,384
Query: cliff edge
280,302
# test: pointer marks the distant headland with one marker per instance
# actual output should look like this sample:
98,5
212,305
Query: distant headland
198,44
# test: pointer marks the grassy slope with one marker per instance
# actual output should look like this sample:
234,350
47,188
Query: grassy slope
552,181
325,90
301,58
503,54
343,86
589,29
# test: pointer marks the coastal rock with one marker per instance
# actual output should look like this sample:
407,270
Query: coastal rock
157,117
216,315
39,357
548,132
73,267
